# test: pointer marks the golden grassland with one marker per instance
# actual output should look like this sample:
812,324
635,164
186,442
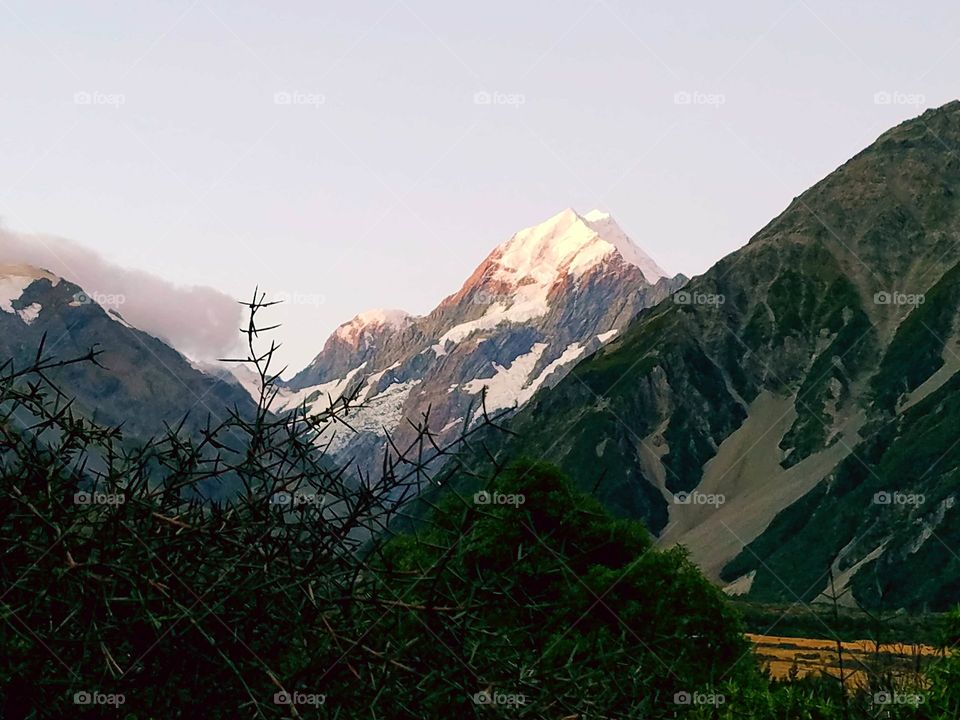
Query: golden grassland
788,657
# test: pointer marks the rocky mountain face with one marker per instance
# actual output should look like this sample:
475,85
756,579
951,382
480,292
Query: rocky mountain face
144,384
551,295
792,414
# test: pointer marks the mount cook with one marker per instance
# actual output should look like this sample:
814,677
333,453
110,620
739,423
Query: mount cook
551,295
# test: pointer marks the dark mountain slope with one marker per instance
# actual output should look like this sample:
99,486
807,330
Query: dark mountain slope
144,384
768,377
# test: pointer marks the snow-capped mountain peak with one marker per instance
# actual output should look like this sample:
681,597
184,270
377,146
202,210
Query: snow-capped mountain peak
373,320
567,244
539,302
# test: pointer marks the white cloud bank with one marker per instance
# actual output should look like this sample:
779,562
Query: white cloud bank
201,322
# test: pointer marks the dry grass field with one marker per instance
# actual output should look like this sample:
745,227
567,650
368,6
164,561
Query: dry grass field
798,657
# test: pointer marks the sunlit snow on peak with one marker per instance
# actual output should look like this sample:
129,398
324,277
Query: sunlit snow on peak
568,243
377,318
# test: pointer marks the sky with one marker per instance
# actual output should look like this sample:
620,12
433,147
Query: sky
346,156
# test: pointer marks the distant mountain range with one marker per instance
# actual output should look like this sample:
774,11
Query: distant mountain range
547,297
790,416
794,411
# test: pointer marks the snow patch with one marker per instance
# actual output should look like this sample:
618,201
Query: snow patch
15,278
385,410
524,310
30,313
929,525
452,424
742,585
117,317
506,386
246,377
333,389
11,288
609,335
512,385
571,353
370,385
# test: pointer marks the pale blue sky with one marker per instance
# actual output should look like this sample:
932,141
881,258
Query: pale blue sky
390,191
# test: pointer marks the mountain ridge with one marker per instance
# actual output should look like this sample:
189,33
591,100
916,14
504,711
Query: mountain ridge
141,383
810,325
550,294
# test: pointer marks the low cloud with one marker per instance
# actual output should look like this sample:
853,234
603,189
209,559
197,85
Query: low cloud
201,322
